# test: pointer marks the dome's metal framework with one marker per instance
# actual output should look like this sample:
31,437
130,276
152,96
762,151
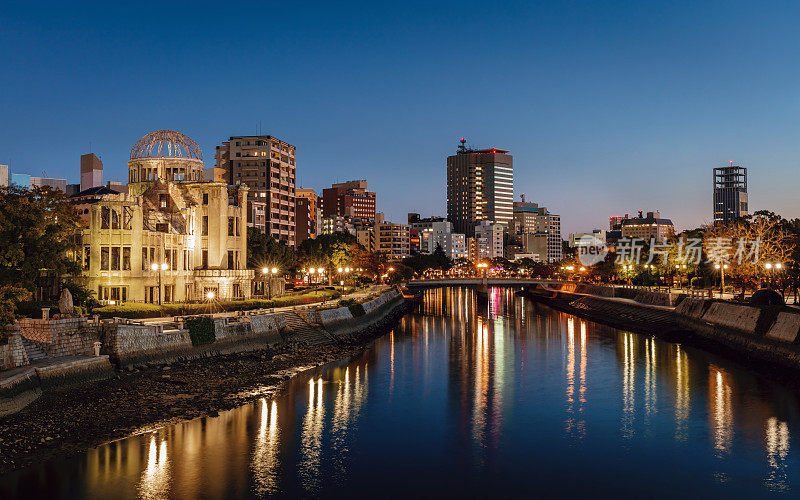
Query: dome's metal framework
166,144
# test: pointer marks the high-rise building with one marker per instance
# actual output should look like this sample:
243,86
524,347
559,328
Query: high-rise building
349,199
530,218
489,239
308,215
480,186
730,193
4,176
266,165
91,171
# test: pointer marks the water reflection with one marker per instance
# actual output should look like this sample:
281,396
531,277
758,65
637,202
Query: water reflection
467,396
156,475
265,455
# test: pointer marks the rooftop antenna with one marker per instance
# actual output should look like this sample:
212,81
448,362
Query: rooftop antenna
523,197
461,147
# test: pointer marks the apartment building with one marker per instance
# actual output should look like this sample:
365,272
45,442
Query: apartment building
266,165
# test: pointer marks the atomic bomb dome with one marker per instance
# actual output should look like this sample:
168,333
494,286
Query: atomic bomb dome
166,144
167,155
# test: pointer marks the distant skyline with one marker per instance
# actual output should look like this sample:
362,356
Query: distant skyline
607,108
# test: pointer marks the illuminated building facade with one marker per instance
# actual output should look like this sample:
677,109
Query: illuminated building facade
173,237
480,186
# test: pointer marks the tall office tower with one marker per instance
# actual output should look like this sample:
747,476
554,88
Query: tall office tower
267,166
308,215
730,193
480,186
91,171
349,199
4,176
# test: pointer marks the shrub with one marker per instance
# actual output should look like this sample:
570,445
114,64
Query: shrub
357,310
33,309
347,302
201,330
697,282
766,297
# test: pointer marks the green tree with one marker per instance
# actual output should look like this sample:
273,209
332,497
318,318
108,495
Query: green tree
37,232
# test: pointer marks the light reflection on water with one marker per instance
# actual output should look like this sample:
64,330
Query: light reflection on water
475,396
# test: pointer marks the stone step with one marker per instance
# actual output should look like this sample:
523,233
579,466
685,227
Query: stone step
34,352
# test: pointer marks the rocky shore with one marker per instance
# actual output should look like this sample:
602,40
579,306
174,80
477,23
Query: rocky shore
70,420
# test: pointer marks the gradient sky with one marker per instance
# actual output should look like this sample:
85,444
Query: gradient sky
608,107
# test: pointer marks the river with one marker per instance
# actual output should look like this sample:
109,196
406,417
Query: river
471,396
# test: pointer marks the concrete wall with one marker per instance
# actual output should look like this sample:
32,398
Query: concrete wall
786,327
737,316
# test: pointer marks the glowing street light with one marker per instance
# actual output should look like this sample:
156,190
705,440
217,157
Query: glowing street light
156,267
210,295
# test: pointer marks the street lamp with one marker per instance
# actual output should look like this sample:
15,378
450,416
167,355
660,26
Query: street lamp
155,267
722,268
266,271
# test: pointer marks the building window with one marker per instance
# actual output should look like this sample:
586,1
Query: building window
230,226
204,231
144,259
162,200
115,260
87,252
126,258
205,198
104,252
231,260
205,259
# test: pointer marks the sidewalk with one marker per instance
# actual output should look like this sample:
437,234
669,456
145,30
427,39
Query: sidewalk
229,314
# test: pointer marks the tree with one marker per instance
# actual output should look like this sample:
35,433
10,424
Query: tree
10,297
265,251
329,251
37,231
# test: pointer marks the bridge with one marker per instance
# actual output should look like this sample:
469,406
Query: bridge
418,284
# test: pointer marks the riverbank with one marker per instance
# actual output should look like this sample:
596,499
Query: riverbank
69,420
763,338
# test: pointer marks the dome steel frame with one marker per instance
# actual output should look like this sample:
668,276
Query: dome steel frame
166,144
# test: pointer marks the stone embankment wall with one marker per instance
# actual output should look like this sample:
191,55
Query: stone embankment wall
61,337
770,335
635,294
12,354
341,322
25,384
130,344
133,344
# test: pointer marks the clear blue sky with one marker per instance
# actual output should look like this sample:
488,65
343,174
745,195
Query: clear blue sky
607,107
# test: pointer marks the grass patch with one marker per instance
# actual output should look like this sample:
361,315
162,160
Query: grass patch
137,310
